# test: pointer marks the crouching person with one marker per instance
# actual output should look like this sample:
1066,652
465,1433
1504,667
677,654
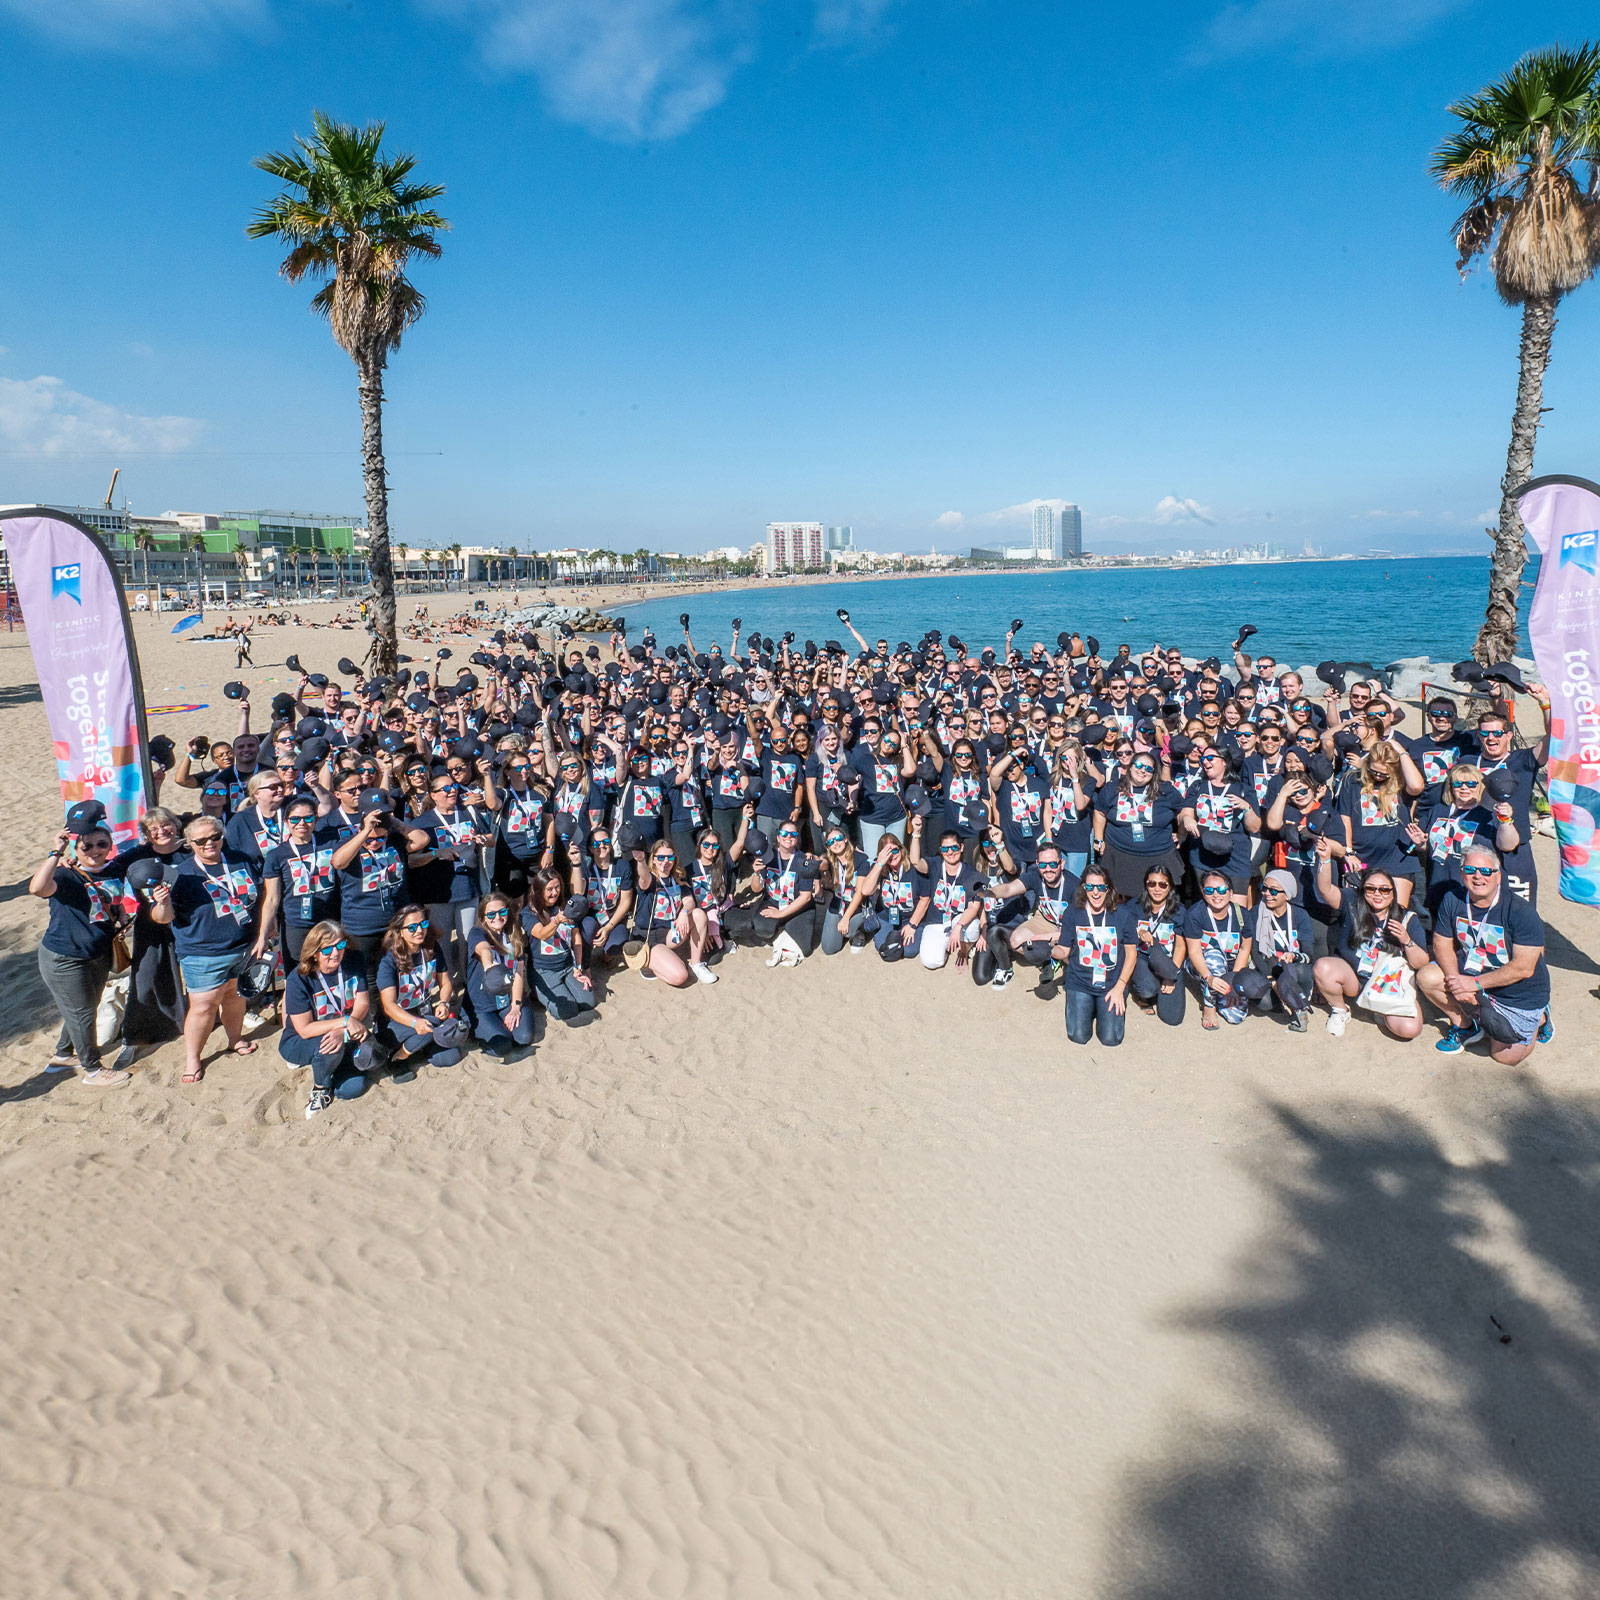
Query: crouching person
326,1028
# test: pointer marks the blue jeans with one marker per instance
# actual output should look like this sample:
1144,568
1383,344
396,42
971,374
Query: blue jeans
1144,983
1088,1013
1075,861
872,834
327,1071
557,989
419,1045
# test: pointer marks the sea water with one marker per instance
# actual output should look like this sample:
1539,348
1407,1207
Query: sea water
1306,611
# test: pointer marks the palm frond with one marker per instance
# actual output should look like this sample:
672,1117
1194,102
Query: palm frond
1513,156
350,216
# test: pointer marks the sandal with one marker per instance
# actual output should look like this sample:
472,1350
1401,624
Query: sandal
245,1047
196,1075
1208,1019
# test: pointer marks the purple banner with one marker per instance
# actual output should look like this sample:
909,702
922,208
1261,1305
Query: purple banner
1562,516
83,651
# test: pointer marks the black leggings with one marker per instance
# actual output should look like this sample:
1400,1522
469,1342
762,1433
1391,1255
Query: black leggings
748,926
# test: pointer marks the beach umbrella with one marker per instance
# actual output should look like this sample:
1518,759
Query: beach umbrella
186,623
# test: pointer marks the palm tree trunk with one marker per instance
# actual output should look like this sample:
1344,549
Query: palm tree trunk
1497,638
378,557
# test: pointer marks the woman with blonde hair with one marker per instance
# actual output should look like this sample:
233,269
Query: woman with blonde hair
1371,827
326,1006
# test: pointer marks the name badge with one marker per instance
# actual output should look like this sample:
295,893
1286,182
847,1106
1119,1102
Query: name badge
1137,830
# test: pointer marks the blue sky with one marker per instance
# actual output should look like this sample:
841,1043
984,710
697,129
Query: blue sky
907,264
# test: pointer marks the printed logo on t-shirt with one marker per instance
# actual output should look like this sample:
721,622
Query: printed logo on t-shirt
1025,808
1097,948
1213,811
1131,808
381,869
1448,837
232,893
415,984
1483,945
1374,817
1160,933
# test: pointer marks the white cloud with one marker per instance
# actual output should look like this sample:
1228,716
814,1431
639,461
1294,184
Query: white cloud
42,416
1322,26
118,24
1170,510
1023,511
949,519
140,348
626,69
840,18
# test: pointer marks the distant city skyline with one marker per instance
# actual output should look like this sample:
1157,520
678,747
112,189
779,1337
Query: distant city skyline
667,309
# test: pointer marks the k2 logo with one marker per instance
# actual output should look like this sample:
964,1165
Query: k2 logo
1578,550
65,581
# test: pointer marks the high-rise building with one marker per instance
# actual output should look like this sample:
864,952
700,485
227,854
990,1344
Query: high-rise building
791,545
1044,534
1069,544
841,539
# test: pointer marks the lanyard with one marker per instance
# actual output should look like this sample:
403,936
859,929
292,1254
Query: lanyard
335,995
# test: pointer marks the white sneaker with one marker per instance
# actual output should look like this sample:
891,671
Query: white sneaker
1001,978
776,959
702,972
792,958
1336,1022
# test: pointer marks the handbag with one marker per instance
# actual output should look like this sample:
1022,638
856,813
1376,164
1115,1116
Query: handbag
1389,990
121,953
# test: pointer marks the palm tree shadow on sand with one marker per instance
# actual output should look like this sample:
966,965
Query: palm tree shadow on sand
1407,1400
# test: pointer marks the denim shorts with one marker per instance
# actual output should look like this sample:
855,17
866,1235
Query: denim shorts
203,973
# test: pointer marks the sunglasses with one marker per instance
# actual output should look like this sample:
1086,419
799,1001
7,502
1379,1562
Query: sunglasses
1269,893
1479,872
1378,889
300,818
1096,888
1216,888
665,860
333,949
412,927
94,844
787,833
710,844
208,838
949,849
496,916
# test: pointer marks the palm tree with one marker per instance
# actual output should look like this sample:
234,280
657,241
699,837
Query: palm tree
405,562
1513,157
455,564
353,220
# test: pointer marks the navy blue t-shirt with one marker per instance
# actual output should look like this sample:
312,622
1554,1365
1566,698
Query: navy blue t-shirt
1097,944
1485,939
1139,823
214,909
322,996
84,914
306,878
374,886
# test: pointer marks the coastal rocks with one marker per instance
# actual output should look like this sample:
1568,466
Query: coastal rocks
581,619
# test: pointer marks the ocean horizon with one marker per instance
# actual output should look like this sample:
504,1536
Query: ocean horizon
1359,609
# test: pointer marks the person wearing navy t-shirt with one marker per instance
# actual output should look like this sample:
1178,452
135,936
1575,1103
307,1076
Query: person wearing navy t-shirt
1099,944
87,905
1522,766
415,992
297,877
1488,973
1217,944
1444,831
212,905
882,765
1157,980
1135,815
1441,746
1372,924
496,975
326,1008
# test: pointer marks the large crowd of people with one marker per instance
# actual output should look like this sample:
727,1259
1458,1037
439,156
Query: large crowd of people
412,867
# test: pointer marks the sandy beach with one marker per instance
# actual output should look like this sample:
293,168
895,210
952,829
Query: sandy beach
728,1294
